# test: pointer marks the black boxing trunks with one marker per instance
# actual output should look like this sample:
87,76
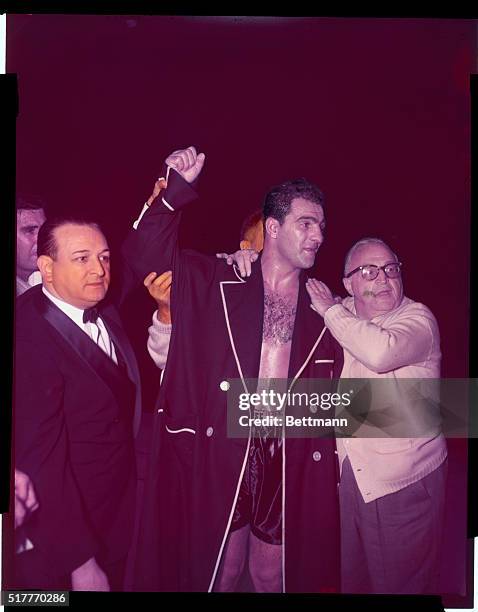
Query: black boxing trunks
259,503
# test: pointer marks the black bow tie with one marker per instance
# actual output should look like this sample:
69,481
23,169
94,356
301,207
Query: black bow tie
90,314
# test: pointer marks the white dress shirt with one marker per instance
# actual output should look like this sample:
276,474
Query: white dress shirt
96,331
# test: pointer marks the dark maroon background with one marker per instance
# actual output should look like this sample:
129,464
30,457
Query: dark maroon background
376,111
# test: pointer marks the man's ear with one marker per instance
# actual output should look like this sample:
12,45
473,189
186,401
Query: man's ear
245,244
348,286
272,227
45,265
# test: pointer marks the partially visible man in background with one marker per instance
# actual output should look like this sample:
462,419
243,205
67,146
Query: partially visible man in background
30,217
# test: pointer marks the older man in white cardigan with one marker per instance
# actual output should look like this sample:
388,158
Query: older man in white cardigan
391,489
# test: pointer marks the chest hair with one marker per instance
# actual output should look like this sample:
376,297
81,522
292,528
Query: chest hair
279,318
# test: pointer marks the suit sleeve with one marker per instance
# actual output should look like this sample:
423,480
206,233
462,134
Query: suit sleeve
59,529
409,339
153,245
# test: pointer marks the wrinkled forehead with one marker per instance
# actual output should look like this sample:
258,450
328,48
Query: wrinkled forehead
372,253
300,207
71,238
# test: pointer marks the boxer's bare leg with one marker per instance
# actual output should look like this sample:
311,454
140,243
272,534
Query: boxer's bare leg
233,560
265,565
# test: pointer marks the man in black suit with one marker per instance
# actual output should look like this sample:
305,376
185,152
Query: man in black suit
76,407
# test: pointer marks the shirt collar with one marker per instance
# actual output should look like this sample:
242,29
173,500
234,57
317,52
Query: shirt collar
21,285
75,314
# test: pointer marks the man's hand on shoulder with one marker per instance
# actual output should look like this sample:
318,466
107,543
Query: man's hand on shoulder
242,258
187,162
320,296
89,577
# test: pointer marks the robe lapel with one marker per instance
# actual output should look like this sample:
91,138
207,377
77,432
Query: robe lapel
243,303
309,329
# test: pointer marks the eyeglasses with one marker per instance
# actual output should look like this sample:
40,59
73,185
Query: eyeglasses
370,271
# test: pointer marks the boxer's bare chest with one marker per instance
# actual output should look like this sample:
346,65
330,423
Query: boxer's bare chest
278,326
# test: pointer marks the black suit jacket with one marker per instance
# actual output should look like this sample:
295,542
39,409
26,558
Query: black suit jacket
74,413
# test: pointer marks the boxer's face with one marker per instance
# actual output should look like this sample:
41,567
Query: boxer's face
301,234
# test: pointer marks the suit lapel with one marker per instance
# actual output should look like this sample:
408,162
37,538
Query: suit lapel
243,304
120,339
118,336
87,350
